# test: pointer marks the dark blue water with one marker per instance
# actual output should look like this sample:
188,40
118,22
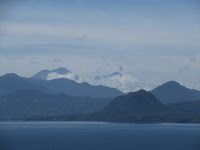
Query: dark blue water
98,136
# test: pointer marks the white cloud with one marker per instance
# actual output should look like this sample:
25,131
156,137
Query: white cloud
54,75
122,81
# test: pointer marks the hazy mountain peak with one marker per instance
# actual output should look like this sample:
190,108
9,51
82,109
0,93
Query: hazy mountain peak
108,76
61,71
171,86
113,74
10,75
172,92
54,74
41,75
171,83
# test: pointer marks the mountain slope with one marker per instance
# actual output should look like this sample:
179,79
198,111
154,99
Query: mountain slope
172,92
13,82
141,101
30,103
41,75
189,107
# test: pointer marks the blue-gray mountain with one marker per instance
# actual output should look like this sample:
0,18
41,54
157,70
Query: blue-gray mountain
19,100
12,82
172,92
140,101
140,107
43,75
108,76
33,103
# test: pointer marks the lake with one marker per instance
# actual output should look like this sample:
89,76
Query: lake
98,136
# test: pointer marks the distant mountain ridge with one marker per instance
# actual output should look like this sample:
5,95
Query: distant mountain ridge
12,82
172,92
112,77
108,76
64,99
33,103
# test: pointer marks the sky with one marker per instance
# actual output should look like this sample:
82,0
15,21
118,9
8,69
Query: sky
155,41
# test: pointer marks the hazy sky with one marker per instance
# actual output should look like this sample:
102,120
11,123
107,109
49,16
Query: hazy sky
153,40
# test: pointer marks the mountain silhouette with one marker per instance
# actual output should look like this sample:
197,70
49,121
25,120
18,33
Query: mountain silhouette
12,82
140,107
172,92
33,103
108,76
44,73
140,101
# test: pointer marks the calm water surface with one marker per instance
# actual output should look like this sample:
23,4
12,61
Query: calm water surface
98,136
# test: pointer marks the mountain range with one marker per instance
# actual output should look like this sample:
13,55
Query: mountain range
12,82
140,107
143,106
65,99
33,103
65,73
111,77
